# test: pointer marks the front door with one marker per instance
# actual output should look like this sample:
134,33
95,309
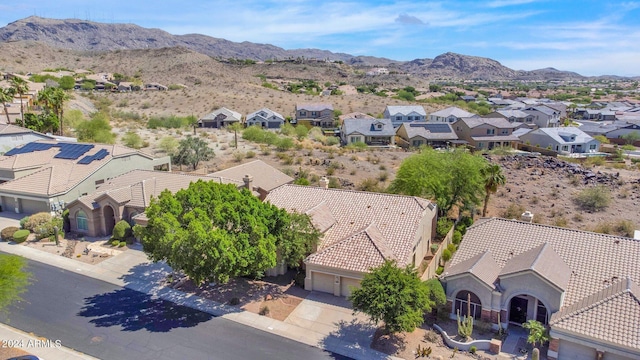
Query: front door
518,310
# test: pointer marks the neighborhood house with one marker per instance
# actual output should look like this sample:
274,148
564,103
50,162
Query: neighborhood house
378,132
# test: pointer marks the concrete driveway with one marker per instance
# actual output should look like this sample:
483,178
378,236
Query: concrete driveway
331,320
8,218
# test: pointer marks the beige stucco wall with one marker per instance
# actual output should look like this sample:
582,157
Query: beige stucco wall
529,283
470,283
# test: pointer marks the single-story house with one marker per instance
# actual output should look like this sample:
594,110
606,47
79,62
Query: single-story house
155,86
562,139
265,118
404,113
316,114
583,285
46,175
219,118
419,133
265,177
449,115
360,230
368,131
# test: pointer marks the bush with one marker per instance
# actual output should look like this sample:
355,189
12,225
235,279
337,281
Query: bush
264,310
234,301
513,211
594,198
7,233
452,248
443,227
457,237
48,229
434,248
473,349
467,221
440,269
122,244
446,255
36,220
23,221
20,235
122,230
461,228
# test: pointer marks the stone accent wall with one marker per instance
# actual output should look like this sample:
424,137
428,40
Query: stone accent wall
494,317
486,315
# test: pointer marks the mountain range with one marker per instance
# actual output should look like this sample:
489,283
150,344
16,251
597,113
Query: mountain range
82,35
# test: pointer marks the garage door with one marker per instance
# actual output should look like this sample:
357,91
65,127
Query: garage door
610,356
322,282
346,285
32,206
572,351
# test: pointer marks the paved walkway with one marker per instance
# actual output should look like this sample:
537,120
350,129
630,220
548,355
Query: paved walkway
322,321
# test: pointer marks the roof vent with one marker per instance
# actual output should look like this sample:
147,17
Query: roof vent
527,216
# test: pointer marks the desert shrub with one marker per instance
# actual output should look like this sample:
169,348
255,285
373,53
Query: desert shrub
261,136
357,146
264,310
238,156
20,235
462,228
443,226
484,327
603,228
284,144
132,140
452,248
625,228
594,198
446,255
36,220
331,141
7,233
122,230
431,335
513,211
122,244
369,184
250,154
440,269
302,181
457,237
560,221
442,313
48,229
473,349
434,248
23,221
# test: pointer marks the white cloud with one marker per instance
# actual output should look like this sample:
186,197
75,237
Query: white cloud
503,3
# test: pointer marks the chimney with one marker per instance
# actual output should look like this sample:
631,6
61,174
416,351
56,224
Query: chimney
248,182
527,216
324,182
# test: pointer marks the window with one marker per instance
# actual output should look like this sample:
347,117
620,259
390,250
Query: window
480,145
416,143
541,314
379,126
409,118
592,147
303,113
491,131
565,148
81,221
504,132
355,139
99,182
398,118
313,113
461,304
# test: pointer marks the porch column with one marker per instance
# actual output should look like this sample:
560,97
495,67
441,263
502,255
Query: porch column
554,345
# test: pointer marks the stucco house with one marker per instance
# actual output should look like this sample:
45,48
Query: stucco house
583,285
46,175
512,115
419,133
486,133
543,116
404,113
369,131
567,140
317,114
360,230
219,118
449,115
265,118
12,136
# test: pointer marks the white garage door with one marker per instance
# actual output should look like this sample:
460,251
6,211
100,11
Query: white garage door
572,351
346,285
32,206
322,282
610,356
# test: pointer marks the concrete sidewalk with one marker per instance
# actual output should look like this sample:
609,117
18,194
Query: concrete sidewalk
39,346
133,270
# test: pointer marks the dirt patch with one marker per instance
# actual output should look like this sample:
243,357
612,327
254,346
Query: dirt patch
11,352
77,249
275,297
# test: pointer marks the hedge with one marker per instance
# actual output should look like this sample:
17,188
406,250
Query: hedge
7,233
20,235
121,231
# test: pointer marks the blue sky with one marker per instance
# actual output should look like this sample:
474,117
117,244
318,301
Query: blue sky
591,37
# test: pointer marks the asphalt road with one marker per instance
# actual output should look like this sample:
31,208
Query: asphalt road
110,322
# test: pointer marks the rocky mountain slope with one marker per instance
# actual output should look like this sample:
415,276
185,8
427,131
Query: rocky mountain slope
81,35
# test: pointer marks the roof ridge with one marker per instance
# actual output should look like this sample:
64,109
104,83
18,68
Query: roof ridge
415,198
384,250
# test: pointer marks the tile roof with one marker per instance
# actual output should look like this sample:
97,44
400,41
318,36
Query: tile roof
562,135
611,314
483,266
500,123
6,129
405,109
230,114
396,218
268,114
544,261
519,114
321,217
314,107
56,175
367,127
452,110
136,187
264,175
594,259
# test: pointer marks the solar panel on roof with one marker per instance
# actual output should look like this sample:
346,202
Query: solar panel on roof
97,156
29,148
72,151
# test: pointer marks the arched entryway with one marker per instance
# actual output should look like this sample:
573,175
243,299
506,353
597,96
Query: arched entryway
526,307
461,306
109,216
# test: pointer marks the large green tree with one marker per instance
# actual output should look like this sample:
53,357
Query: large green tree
213,232
20,87
493,177
6,96
450,178
13,279
191,151
396,296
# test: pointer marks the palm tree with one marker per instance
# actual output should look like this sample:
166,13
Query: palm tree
20,87
493,178
58,97
6,95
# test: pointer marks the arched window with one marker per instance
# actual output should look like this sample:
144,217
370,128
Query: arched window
461,304
81,221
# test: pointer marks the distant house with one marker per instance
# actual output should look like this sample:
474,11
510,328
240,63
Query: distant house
543,116
368,131
155,86
514,271
219,118
125,86
265,118
449,115
486,133
562,139
513,116
404,113
46,175
354,115
468,98
12,136
419,133
317,114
